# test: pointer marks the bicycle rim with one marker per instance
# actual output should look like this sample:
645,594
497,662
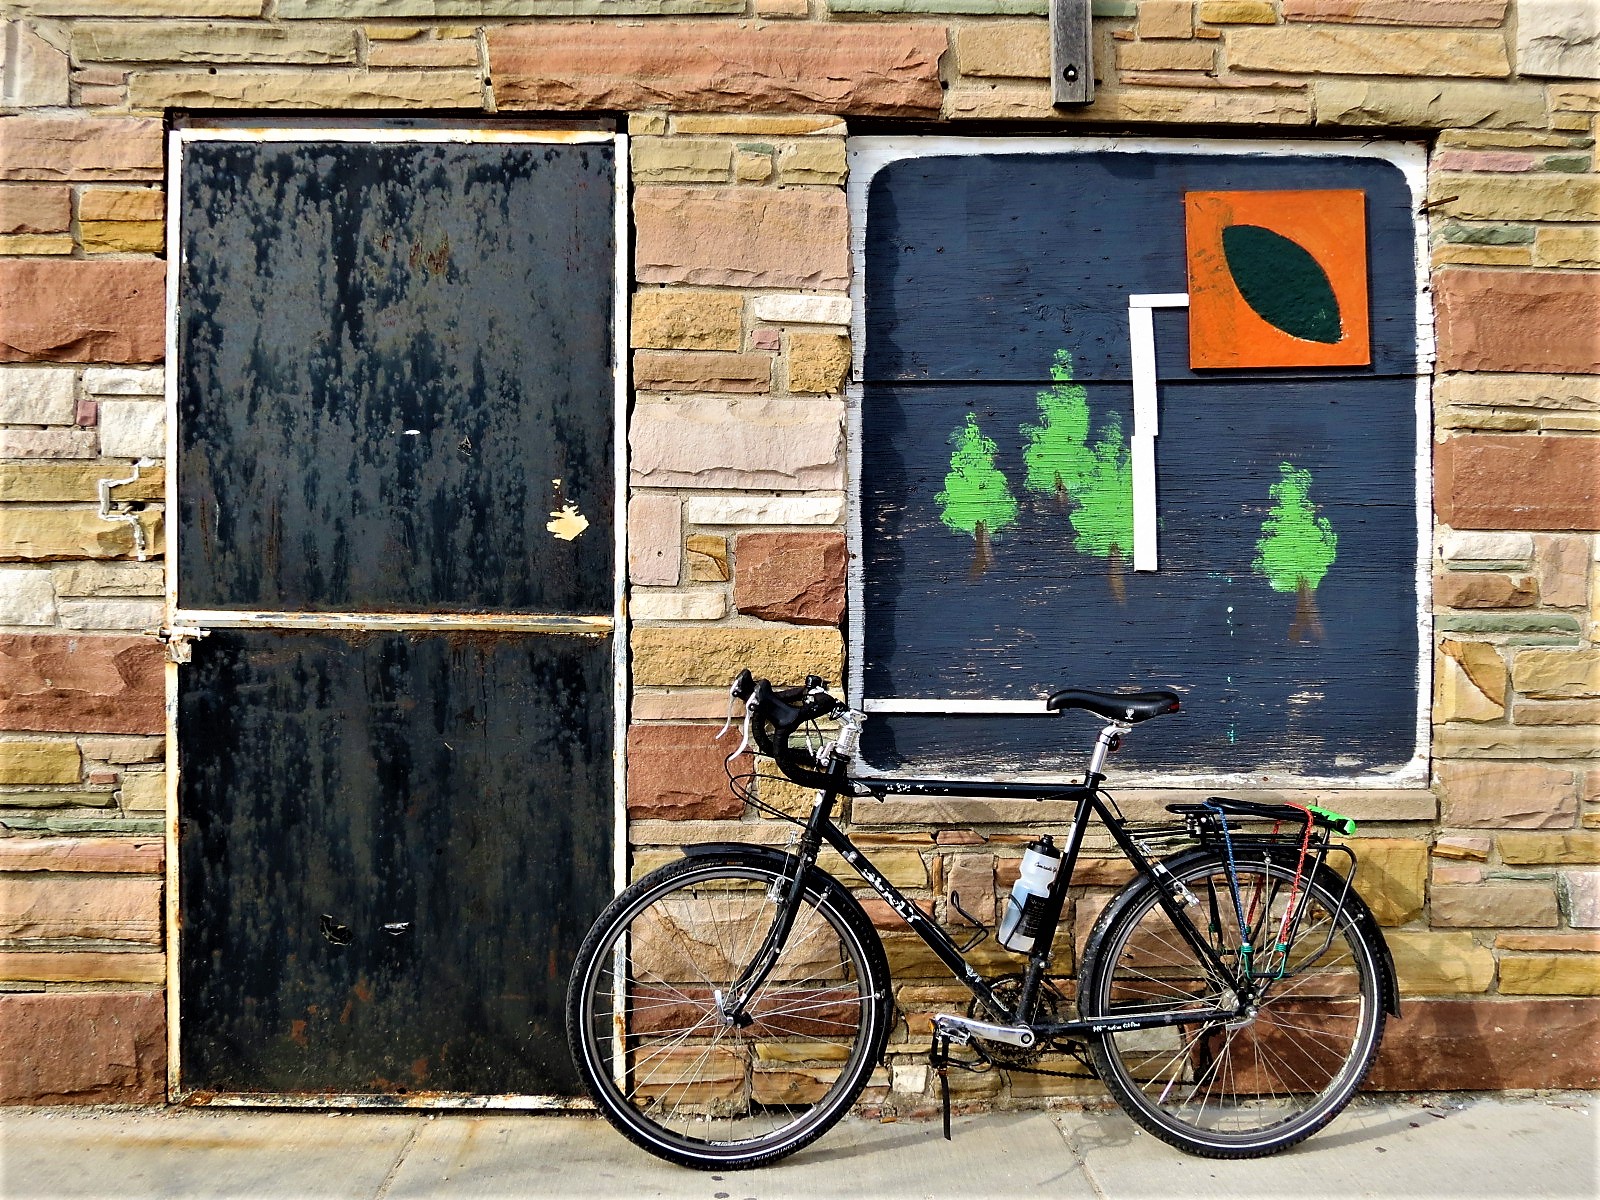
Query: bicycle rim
1268,1080
666,1066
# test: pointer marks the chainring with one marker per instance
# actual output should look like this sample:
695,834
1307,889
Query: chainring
1008,989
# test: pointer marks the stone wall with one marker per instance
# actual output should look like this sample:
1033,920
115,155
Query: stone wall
1489,882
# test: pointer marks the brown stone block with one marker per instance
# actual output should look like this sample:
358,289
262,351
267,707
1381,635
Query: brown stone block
794,577
1496,795
1484,589
68,148
1493,905
708,558
1518,321
86,1048
675,772
1455,1045
72,906
692,66
35,208
100,855
1482,14
1502,481
742,237
701,371
84,684
82,311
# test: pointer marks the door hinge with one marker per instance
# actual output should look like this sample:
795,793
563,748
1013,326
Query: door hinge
179,641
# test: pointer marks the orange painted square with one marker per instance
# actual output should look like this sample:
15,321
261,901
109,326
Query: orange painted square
1224,330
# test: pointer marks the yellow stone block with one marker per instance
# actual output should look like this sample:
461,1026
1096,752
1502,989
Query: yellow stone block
1529,849
25,763
1567,246
816,160
123,237
1470,684
756,124
42,534
1550,974
681,160
1238,12
1557,674
59,482
1006,50
677,319
1392,877
1454,254
818,362
82,967
36,243
1436,964
664,656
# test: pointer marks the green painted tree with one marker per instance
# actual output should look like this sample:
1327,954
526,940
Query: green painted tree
1057,456
1103,520
1296,548
976,500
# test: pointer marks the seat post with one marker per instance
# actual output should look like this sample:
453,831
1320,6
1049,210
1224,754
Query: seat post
1110,734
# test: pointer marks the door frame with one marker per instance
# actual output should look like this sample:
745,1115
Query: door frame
182,625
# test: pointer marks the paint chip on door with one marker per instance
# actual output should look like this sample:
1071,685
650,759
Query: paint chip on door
567,522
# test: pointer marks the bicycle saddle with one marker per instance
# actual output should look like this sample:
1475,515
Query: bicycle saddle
1115,706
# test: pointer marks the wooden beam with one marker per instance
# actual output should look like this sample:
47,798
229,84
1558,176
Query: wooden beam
1071,52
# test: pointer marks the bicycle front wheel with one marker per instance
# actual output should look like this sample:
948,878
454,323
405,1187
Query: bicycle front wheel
1257,1084
663,1062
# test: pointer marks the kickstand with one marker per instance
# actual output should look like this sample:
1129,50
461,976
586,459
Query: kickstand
939,1057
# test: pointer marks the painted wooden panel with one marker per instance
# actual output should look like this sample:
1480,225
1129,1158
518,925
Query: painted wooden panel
995,481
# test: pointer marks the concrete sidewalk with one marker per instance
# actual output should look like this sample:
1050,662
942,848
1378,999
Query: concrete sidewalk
1544,1146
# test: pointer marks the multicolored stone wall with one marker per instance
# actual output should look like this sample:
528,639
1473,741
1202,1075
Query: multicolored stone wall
739,111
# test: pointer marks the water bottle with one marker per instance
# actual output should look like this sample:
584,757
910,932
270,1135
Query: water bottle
1029,896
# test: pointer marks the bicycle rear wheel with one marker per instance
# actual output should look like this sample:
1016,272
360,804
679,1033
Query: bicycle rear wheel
664,1065
1257,1085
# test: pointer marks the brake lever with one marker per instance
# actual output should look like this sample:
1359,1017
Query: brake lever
744,740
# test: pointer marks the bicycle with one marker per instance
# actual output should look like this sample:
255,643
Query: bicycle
727,1009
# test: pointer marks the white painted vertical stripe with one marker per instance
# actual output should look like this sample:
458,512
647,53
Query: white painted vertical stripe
1144,502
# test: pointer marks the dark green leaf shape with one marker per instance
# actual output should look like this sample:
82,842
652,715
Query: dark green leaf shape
1283,283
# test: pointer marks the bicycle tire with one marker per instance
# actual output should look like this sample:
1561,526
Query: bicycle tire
1258,1086
663,1066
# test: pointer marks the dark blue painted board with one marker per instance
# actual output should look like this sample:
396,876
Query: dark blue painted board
1020,255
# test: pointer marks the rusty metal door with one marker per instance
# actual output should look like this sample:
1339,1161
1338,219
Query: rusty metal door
394,600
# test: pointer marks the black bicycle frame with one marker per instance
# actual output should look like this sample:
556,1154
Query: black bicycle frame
820,828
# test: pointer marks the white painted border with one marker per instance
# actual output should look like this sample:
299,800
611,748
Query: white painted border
175,616
869,155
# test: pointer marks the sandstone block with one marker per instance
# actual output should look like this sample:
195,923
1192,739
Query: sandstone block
43,534
1507,795
1337,50
1580,897
132,616
674,319
1518,198
757,124
1392,877
701,371
1484,14
101,856
133,429
728,443
123,749
82,684
1463,848
1272,104
1003,50
38,74
110,579
122,220
1429,104
82,967
1492,905
441,52
1557,246
306,89
1167,56
34,763
124,381
211,43
46,482
877,70
801,309
1470,548
67,906
764,510
794,577
1237,12
675,772
35,208
70,148
84,1048
700,605
1558,38
1470,684
48,443
1484,160
1434,964
752,166
1166,19
27,596
1558,712
971,878
1570,942
1563,570
686,704
1534,849
819,363
655,539
1541,321
1550,974
82,311
708,558
741,237
674,656
1492,481
36,396
681,160
1484,589
1450,1045
814,160
1557,674
1499,741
